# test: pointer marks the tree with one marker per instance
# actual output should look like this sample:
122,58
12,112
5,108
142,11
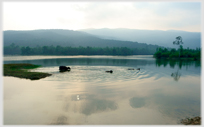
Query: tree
12,50
178,41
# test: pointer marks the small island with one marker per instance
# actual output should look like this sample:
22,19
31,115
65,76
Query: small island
180,53
21,71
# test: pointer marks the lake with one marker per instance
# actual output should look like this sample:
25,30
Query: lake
162,92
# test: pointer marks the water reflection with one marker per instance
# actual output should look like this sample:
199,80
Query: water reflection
179,63
147,67
177,106
137,102
91,104
81,97
88,95
176,75
86,61
98,105
180,66
88,104
61,120
95,74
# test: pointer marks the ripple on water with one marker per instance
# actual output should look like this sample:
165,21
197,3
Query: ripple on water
96,74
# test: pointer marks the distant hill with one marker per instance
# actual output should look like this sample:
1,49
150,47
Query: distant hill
61,37
155,37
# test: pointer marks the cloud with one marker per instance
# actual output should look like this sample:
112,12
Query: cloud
81,15
143,15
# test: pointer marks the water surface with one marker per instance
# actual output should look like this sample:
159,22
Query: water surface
162,92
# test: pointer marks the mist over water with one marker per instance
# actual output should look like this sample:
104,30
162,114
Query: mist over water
160,93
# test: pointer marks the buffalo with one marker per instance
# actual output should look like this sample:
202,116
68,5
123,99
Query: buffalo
64,68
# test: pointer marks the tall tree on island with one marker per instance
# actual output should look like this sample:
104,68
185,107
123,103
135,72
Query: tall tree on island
178,41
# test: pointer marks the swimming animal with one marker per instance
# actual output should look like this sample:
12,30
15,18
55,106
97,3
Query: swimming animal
109,71
64,68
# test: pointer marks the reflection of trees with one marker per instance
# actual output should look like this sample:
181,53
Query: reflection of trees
95,105
180,63
85,61
177,64
176,75
160,62
137,102
172,63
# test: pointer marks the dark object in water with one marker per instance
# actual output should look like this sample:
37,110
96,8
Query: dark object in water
131,69
109,71
64,68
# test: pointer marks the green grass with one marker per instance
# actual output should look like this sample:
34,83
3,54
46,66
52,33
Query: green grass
21,71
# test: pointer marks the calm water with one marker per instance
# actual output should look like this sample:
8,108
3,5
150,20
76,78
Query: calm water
162,92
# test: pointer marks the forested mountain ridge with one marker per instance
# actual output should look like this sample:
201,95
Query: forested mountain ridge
156,37
69,42
34,38
60,37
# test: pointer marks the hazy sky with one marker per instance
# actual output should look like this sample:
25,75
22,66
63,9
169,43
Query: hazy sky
81,15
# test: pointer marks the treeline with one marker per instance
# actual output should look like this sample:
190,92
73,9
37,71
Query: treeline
179,53
59,50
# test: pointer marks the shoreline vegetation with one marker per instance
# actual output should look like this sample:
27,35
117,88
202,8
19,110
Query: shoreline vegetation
68,50
180,54
21,70
191,121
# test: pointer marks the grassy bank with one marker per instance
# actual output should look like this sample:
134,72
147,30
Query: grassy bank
21,71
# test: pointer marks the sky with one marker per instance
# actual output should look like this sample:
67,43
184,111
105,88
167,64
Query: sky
78,15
